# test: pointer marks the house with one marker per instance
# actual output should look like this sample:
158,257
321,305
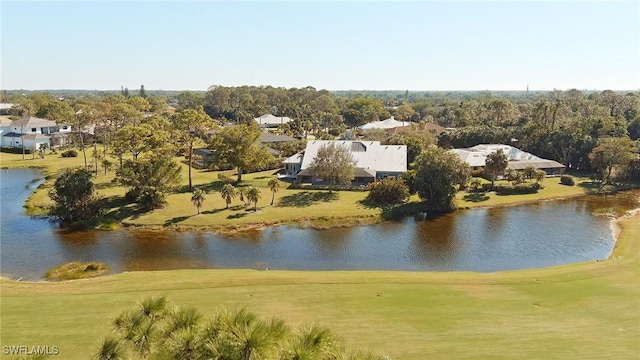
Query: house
271,121
267,138
476,157
5,108
373,160
34,131
389,123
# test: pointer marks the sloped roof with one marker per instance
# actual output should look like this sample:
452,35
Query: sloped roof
294,159
36,136
367,154
389,123
32,122
269,119
274,138
476,156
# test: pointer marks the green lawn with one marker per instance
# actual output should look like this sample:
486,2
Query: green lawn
580,311
291,206
588,310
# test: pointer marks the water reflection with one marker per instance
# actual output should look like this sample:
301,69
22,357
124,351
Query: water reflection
537,235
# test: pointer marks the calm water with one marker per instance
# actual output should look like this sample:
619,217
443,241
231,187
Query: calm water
539,235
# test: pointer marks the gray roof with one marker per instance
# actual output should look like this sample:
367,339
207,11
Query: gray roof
202,152
33,122
268,119
367,154
36,136
274,138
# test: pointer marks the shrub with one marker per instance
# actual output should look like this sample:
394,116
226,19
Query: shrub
523,188
477,173
388,191
70,153
76,270
15,150
567,180
410,180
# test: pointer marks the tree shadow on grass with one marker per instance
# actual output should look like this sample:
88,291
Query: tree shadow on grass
476,197
237,215
121,208
306,198
176,220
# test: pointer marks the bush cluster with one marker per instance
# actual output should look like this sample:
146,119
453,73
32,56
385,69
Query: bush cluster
567,180
388,191
15,150
70,153
523,188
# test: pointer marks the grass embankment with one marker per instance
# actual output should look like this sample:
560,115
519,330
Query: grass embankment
299,206
578,311
76,270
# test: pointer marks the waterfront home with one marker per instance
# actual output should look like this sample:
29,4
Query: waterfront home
373,160
476,157
34,132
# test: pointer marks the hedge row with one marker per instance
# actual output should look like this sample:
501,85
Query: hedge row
525,188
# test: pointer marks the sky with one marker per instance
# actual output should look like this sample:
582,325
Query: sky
333,45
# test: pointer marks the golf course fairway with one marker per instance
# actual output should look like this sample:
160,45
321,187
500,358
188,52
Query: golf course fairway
577,311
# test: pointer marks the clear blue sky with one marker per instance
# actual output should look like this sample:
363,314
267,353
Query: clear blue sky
330,45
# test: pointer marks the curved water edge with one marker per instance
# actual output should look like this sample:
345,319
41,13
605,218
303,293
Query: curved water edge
489,239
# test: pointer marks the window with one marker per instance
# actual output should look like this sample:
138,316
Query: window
33,129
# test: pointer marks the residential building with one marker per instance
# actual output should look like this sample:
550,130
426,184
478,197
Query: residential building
373,160
476,157
33,131
270,121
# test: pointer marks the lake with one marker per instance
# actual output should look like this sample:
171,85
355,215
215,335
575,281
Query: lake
517,237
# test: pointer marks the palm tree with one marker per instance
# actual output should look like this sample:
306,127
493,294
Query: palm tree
253,195
249,336
110,349
274,184
198,199
242,191
228,192
495,164
312,342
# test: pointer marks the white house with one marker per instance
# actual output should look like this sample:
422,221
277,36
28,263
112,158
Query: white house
476,157
33,131
268,120
373,160
389,123
5,107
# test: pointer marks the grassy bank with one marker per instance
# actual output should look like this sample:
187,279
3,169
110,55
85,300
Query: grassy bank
297,206
586,310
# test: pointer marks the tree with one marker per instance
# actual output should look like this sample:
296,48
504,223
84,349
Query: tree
228,192
192,127
83,117
253,195
143,93
198,198
495,164
404,112
74,197
238,146
158,329
437,174
612,153
149,180
388,192
361,110
333,164
274,184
